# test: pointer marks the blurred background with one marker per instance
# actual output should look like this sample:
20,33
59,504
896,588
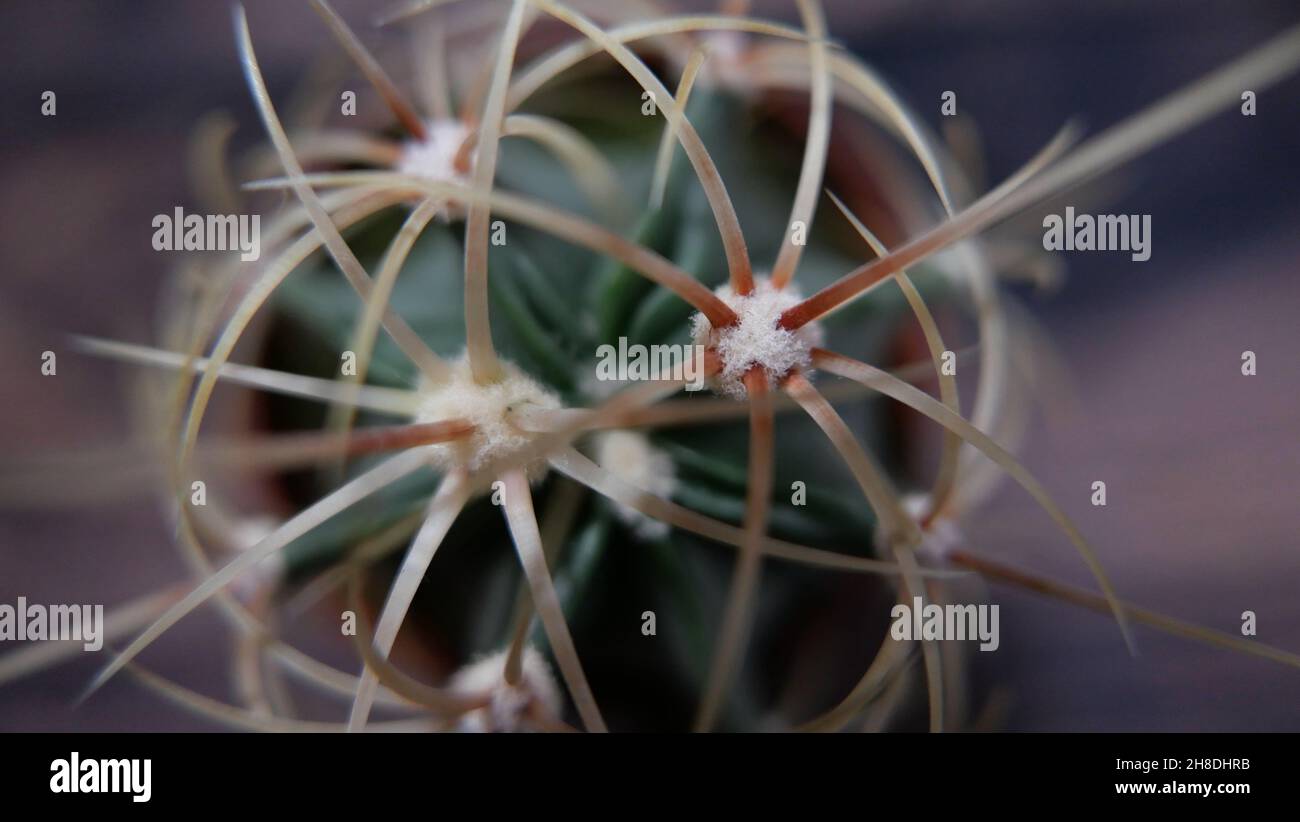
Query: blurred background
1202,464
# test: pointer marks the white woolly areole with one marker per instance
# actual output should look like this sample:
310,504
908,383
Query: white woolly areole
488,407
728,65
434,158
245,533
940,537
757,339
630,457
536,692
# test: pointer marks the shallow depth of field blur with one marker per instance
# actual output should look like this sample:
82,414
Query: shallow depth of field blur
1202,464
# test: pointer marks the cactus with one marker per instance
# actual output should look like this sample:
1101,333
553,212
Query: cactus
561,549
